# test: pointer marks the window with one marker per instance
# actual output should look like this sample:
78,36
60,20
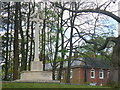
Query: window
92,73
101,74
55,75
71,73
62,75
108,74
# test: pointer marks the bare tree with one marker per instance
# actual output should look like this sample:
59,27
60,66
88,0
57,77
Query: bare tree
16,49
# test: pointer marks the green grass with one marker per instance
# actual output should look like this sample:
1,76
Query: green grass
45,85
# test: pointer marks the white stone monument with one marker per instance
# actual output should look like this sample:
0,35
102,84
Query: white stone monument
36,65
36,74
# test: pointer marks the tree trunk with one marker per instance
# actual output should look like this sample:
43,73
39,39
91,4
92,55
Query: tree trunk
31,44
16,49
22,41
27,42
70,55
10,58
115,69
6,59
72,20
44,25
43,45
31,49
62,47
56,50
44,61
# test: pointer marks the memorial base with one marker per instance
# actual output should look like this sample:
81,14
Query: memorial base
36,74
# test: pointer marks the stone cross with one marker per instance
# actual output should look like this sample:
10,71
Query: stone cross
37,17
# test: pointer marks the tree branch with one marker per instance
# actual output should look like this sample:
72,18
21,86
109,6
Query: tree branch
106,42
110,14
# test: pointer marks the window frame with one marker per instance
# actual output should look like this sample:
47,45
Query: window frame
108,73
56,75
101,71
62,75
92,71
71,73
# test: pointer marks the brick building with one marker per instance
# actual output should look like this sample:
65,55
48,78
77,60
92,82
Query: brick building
90,70
94,71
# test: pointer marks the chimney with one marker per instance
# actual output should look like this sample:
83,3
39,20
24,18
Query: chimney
92,55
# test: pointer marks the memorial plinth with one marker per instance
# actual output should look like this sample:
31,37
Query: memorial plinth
36,74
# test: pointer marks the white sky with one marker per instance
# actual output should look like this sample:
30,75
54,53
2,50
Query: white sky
113,7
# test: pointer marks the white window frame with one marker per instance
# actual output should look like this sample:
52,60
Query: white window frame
92,71
108,73
101,71
71,73
56,75
62,75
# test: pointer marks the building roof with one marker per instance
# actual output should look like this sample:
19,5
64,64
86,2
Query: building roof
97,63
82,62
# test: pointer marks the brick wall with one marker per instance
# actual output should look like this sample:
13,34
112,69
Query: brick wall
78,76
97,79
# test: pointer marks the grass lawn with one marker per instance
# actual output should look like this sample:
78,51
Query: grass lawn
45,85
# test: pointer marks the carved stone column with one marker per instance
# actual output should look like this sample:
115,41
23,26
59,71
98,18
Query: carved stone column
36,65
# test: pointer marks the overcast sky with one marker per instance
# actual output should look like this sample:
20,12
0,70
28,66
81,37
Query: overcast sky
113,7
